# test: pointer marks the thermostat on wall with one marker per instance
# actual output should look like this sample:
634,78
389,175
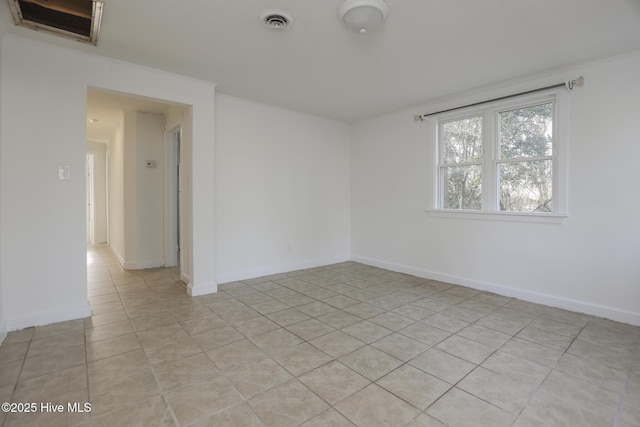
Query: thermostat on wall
64,172
150,163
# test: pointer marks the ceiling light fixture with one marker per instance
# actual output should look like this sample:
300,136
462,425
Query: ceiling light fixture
363,15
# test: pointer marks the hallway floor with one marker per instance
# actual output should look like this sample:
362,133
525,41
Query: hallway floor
340,345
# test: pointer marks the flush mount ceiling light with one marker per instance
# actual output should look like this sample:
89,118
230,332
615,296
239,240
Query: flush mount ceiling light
76,19
363,15
276,19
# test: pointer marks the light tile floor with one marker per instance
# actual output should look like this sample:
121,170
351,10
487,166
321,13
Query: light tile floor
341,345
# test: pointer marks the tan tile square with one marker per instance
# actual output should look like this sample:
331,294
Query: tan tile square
442,365
465,349
483,335
196,401
316,308
300,358
425,333
337,343
516,368
458,408
366,331
500,390
57,329
178,373
150,412
256,326
217,338
289,404
391,321
48,386
339,319
374,406
152,321
370,362
363,310
235,354
546,338
238,415
329,418
414,386
173,350
531,351
161,335
275,340
202,324
114,393
334,382
288,317
112,347
310,329
255,377
400,347
55,360
122,364
547,410
581,393
10,352
110,330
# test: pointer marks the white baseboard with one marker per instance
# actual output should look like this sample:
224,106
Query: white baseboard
277,269
141,265
47,317
184,277
598,310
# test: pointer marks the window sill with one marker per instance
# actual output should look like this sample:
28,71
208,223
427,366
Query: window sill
547,218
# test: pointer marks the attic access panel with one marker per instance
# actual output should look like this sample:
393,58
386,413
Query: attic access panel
76,19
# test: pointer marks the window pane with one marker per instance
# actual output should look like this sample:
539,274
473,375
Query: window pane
462,140
462,187
526,186
527,132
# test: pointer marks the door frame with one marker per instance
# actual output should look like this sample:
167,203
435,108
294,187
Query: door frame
173,201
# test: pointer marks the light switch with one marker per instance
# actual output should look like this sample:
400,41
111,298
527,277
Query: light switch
64,172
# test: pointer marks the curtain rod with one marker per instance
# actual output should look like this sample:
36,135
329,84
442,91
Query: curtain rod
568,85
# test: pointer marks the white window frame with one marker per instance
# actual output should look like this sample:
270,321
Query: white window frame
490,193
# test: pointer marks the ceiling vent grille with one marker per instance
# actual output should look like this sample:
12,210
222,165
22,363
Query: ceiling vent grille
275,19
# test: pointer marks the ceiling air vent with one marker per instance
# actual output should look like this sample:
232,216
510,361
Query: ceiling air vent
76,19
275,19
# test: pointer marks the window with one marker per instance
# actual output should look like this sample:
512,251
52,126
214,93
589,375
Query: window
503,158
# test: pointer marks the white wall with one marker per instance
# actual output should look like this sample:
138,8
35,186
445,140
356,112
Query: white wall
99,151
116,191
282,189
42,220
149,186
3,322
589,263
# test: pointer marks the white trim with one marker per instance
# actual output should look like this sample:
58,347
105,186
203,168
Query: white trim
47,317
184,277
118,255
549,218
598,310
283,268
141,265
201,289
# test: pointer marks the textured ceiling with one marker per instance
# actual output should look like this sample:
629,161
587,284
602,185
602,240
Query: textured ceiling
425,49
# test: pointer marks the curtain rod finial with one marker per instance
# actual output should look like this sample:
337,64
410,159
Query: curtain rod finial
418,118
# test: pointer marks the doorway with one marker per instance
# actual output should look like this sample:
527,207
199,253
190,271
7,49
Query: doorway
90,204
173,198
